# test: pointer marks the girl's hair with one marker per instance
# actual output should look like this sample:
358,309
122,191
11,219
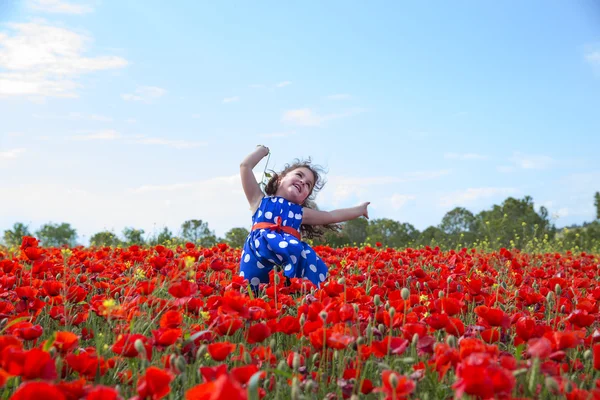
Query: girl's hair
308,231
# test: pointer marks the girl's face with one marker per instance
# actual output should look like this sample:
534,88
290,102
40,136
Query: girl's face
296,185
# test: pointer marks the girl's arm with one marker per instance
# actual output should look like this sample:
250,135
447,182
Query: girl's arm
314,217
251,188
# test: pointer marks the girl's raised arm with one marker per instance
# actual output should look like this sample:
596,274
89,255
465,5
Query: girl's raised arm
251,188
314,217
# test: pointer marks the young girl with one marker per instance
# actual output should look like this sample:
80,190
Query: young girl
279,217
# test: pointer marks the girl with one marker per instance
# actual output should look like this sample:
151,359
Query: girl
279,217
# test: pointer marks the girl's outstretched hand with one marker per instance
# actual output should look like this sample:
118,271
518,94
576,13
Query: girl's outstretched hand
364,210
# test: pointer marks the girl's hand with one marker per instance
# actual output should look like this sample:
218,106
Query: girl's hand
264,148
364,210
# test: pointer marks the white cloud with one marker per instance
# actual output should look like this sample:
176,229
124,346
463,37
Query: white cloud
75,116
178,144
525,161
145,94
340,96
283,84
398,201
592,56
44,60
277,134
108,134
341,188
11,154
505,169
59,7
231,99
308,117
464,156
460,198
219,201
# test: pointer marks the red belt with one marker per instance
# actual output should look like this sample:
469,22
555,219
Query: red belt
277,227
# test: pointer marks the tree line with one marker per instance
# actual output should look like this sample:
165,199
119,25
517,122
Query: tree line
512,224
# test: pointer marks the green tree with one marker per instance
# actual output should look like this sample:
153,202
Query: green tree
14,237
236,237
597,204
354,232
104,238
133,236
459,227
55,235
391,233
164,236
432,236
197,231
514,223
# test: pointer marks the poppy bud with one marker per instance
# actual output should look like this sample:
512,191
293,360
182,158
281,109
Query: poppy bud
451,340
407,360
381,328
58,276
377,300
341,281
295,389
405,293
180,363
139,346
316,357
272,344
276,279
360,340
201,352
392,312
449,279
296,362
356,308
587,354
393,379
563,309
551,384
558,289
440,294
308,386
415,340
302,319
247,358
281,366
418,285
323,315
550,297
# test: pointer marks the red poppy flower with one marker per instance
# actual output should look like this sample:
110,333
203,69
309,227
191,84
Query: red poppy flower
87,364
258,333
37,390
220,351
101,392
125,345
65,341
183,289
224,387
171,319
395,386
211,373
154,384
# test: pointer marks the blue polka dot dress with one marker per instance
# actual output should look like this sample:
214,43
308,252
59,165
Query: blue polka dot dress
266,248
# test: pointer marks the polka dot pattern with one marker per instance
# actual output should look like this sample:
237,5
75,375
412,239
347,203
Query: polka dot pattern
266,248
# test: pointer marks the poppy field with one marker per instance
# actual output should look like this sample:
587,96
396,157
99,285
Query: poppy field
179,323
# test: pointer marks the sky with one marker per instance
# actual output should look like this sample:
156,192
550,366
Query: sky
129,113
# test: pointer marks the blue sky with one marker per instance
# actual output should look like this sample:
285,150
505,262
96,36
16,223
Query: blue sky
137,113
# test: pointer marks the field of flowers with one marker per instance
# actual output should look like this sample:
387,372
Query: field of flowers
175,323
